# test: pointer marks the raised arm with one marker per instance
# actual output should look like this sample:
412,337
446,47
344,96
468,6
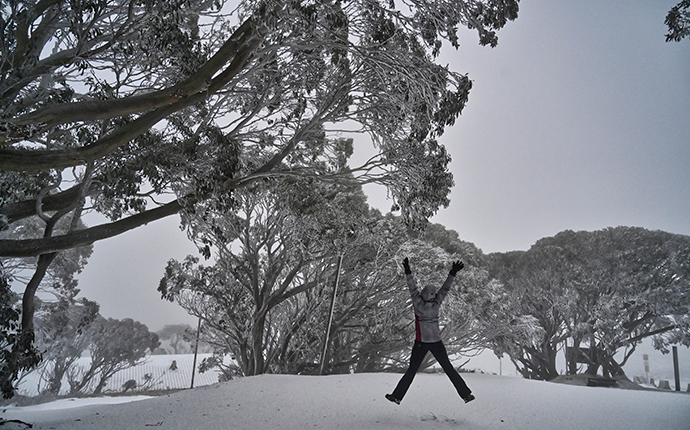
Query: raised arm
411,283
443,292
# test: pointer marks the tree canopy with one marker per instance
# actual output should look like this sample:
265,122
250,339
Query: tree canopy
139,98
678,22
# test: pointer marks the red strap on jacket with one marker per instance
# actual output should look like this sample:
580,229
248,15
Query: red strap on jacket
417,330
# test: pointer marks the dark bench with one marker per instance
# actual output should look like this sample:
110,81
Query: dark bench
601,382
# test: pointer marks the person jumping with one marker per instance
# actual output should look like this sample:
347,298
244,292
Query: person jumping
428,335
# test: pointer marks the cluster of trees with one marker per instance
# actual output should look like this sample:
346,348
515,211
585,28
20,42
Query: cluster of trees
143,109
179,339
267,296
595,293
68,328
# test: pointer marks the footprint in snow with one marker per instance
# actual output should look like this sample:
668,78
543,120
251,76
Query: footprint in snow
433,417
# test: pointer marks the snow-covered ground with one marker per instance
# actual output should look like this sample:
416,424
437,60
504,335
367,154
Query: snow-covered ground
356,402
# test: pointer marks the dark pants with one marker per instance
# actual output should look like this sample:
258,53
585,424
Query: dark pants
419,351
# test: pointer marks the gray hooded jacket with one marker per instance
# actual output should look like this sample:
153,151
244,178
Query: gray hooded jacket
426,306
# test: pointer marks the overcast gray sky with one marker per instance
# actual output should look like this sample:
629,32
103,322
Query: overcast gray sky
579,119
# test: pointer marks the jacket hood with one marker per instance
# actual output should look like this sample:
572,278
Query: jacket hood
428,293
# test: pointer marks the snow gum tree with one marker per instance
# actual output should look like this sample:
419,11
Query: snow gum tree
641,279
140,109
17,352
179,339
370,324
62,335
532,287
58,286
279,246
114,345
600,292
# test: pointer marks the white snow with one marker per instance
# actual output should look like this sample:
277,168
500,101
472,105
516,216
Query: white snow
72,403
356,402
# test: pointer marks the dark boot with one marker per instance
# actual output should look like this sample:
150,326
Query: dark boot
392,399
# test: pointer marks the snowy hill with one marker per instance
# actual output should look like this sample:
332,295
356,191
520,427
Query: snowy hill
356,402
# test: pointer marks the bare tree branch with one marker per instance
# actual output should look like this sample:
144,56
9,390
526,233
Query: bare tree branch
33,247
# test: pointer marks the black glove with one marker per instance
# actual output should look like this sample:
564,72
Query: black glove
406,265
457,266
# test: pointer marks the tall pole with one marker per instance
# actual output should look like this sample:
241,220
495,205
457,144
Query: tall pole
196,350
330,316
676,372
